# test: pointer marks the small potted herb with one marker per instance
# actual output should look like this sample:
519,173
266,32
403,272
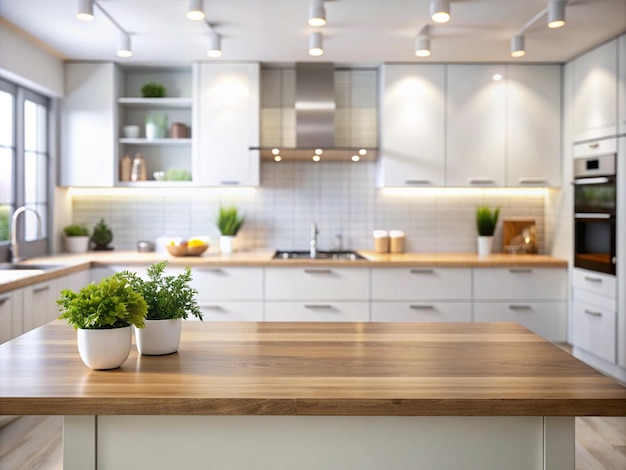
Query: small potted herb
170,299
76,238
102,236
486,221
228,222
153,90
103,314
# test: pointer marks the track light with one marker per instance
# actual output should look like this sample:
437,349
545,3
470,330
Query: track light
123,49
317,13
85,10
215,46
315,44
556,14
440,11
195,11
422,46
517,46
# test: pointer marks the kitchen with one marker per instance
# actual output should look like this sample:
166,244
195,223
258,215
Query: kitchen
344,198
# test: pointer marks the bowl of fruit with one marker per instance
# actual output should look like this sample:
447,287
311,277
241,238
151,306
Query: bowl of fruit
192,247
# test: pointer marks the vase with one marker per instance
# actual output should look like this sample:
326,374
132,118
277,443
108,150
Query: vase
77,244
485,245
104,349
227,244
159,337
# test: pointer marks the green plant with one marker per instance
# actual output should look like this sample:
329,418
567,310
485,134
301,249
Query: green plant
486,220
111,303
229,221
153,90
102,234
168,297
4,223
76,230
177,174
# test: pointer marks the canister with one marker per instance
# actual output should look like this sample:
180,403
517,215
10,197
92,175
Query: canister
381,241
396,241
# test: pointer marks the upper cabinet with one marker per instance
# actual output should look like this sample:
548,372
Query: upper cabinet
89,125
227,120
621,92
595,93
412,126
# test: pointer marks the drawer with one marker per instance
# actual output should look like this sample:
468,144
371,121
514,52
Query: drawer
317,283
228,283
593,329
547,319
520,283
422,312
598,283
231,311
421,283
318,311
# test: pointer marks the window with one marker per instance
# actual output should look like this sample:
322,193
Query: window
24,169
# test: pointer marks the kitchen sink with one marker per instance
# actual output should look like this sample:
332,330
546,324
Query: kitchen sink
321,255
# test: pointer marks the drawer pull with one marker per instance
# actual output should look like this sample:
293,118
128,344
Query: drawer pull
229,182
318,271
520,270
520,307
417,182
213,307
3,300
422,307
422,271
594,145
41,289
531,181
318,306
593,279
481,181
593,313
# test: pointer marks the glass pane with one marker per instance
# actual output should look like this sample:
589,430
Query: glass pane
35,178
6,176
6,119
32,224
4,222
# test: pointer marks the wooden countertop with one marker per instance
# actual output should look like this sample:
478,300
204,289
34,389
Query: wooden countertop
445,369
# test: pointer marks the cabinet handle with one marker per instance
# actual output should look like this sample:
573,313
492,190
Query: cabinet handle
318,271
594,145
480,181
531,181
520,307
593,279
417,182
40,289
593,313
3,300
421,307
318,306
422,271
210,270
520,270
212,307
229,182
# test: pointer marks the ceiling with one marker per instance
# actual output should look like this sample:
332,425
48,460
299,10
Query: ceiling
365,32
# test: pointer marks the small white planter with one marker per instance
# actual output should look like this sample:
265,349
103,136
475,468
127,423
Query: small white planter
485,246
227,244
77,244
159,337
105,348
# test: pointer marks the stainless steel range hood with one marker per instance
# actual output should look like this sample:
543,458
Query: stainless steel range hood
315,113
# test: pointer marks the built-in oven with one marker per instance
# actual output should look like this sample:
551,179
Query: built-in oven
595,189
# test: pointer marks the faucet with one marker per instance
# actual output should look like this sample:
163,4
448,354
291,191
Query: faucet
15,255
314,232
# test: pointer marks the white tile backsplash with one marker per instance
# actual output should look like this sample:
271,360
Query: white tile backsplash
338,196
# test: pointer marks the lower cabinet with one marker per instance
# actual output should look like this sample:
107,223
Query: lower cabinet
10,315
326,311
230,311
39,304
594,324
421,311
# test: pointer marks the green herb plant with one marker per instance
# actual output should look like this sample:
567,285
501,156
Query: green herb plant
111,303
153,90
486,220
76,230
168,297
4,223
229,221
102,234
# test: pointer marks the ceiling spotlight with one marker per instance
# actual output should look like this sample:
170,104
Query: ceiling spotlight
497,77
355,158
318,151
517,46
277,158
363,152
275,151
315,44
123,49
317,13
440,11
85,10
556,14
196,10
422,46
316,158
215,46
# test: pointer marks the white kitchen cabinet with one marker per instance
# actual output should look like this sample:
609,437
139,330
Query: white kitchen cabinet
39,304
227,120
412,125
595,93
594,323
621,92
594,282
74,281
10,315
326,311
533,125
476,126
422,311
88,128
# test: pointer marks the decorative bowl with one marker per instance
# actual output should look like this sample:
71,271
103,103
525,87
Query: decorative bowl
184,249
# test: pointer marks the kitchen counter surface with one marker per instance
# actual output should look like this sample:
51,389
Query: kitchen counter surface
345,369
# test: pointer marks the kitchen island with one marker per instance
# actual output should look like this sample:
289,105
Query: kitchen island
314,395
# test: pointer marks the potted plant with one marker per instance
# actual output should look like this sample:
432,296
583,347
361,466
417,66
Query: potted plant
170,299
76,238
153,90
156,125
102,236
228,221
486,221
103,314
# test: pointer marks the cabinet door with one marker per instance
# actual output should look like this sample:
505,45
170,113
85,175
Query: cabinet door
317,283
412,133
231,311
520,283
318,311
221,283
227,124
534,125
621,92
476,126
422,312
10,315
421,283
595,93
39,304
594,329
89,125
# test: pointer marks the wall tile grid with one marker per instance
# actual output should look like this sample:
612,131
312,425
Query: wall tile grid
340,197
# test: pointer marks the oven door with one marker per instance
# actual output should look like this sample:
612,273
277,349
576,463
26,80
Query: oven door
595,195
594,242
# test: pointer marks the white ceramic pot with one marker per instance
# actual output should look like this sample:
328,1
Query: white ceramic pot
105,348
485,246
131,131
154,131
227,244
77,244
159,337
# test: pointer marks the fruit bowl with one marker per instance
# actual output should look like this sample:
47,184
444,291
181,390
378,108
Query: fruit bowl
192,247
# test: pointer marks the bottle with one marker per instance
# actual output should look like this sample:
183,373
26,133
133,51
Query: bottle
126,165
138,172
